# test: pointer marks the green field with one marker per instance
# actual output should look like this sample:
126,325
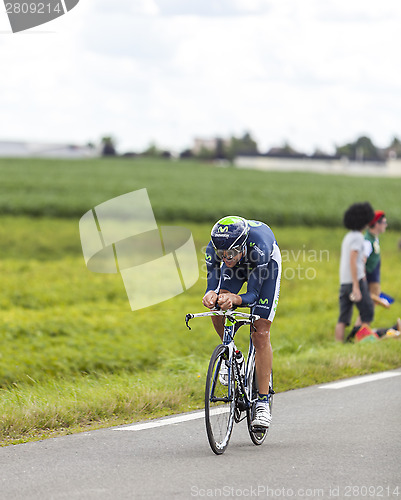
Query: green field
73,355
189,191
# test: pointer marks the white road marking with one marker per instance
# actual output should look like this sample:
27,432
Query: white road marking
360,380
170,421
200,414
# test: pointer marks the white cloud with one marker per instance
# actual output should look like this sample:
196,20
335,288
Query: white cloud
126,7
213,8
313,73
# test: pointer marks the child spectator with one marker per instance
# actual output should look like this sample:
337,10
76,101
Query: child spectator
353,284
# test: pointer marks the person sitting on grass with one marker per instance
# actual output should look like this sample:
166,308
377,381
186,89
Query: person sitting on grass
377,226
353,284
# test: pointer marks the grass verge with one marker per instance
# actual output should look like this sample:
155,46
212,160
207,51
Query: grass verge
66,406
73,356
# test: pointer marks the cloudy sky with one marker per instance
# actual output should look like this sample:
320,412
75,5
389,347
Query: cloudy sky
314,73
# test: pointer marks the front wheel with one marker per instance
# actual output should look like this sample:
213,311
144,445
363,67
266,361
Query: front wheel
219,402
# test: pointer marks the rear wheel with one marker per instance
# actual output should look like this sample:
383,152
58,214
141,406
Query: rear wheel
219,402
259,436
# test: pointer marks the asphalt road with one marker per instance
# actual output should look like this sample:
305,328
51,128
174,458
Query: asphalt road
325,442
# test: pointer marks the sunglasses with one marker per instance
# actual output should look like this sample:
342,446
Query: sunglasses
229,254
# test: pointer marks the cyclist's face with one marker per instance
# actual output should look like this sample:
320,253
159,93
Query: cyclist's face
231,261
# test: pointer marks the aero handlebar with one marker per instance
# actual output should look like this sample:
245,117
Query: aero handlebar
231,314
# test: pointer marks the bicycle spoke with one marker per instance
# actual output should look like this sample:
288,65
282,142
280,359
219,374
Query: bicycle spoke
219,404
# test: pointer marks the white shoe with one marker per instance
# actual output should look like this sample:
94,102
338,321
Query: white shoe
223,374
262,417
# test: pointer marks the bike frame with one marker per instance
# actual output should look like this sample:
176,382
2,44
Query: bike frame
228,341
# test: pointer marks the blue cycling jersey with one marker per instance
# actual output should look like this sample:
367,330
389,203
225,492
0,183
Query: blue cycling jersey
254,264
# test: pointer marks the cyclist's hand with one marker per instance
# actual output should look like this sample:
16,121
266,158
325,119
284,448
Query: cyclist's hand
209,299
225,301
228,300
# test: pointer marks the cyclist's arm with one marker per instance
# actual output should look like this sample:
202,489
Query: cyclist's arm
255,281
259,255
212,269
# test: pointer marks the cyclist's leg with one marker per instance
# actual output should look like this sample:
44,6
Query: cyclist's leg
261,414
266,309
263,353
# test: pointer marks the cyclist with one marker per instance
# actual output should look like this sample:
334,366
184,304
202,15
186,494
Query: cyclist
242,251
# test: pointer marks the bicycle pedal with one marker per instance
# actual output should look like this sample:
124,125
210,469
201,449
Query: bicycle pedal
258,428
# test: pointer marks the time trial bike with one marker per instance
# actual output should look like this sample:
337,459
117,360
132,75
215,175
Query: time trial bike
228,398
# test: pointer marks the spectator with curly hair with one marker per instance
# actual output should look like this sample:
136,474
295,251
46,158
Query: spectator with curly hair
353,285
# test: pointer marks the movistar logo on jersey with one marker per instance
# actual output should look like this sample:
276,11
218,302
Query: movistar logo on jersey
208,257
223,229
251,244
263,301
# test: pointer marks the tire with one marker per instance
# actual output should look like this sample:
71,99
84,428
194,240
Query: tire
219,415
258,437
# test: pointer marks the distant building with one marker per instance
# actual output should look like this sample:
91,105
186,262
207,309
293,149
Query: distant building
201,144
22,149
323,164
208,144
